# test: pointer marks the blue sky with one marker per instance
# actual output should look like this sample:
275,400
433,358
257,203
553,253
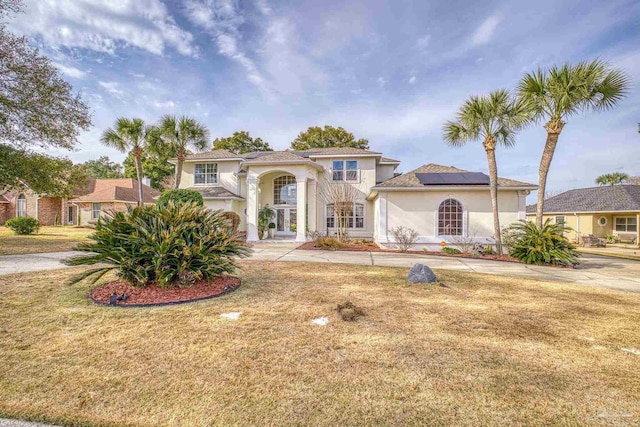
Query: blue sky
390,71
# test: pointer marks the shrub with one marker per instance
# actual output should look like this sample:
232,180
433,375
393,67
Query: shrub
451,251
329,243
168,246
404,237
180,196
314,235
546,245
265,215
232,218
23,225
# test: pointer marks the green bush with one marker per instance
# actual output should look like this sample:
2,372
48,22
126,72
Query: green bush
451,251
23,225
180,196
546,245
169,246
329,243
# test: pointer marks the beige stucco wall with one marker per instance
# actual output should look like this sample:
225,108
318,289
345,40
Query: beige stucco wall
84,211
586,223
418,210
385,172
226,175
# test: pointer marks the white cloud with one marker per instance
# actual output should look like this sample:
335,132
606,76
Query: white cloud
412,80
104,26
112,88
70,71
423,42
486,30
163,105
381,81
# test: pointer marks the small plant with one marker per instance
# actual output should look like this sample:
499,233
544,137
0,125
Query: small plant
170,246
489,250
611,238
180,196
233,219
404,237
451,251
329,243
349,312
265,215
546,245
272,225
56,220
23,225
466,244
314,235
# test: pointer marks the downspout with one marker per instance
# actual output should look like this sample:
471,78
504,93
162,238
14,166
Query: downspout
577,227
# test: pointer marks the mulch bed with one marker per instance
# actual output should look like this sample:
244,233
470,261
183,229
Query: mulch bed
372,247
154,295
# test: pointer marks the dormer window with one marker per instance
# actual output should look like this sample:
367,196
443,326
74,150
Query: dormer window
206,173
345,170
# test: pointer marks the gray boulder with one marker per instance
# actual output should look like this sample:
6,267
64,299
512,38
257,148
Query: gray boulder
420,273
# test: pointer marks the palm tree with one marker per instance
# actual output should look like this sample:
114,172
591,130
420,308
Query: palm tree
129,135
565,91
612,178
494,120
180,134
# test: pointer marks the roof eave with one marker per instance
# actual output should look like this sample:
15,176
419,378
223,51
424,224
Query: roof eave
453,187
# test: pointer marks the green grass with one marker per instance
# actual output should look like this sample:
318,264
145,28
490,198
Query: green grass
48,239
486,350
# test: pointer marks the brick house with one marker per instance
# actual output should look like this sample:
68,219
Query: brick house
84,208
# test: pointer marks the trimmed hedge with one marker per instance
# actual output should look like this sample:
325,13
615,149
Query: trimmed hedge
23,225
180,196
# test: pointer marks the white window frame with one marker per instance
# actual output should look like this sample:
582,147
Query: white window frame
330,215
626,224
288,180
341,172
21,205
462,219
209,177
95,213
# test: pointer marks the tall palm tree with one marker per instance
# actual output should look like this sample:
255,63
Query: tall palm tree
129,135
561,92
180,134
612,178
493,120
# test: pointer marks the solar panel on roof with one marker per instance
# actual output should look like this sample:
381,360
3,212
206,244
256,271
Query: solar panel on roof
453,178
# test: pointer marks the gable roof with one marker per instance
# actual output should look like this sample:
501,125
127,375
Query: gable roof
119,190
284,155
594,199
214,155
412,179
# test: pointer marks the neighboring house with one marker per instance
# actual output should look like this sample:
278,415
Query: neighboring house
85,207
600,211
441,203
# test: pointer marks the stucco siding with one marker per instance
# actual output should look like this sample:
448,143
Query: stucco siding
226,175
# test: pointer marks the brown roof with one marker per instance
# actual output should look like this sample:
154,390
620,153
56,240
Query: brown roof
274,156
214,154
215,192
389,160
121,190
333,150
621,198
410,179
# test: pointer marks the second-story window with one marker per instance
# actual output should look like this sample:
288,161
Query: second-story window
345,170
206,173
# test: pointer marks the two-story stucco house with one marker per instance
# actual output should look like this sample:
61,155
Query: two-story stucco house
441,203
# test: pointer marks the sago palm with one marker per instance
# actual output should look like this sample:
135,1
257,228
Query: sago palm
129,135
612,178
493,120
565,91
180,134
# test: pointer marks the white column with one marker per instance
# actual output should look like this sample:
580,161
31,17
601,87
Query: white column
301,206
382,218
312,205
252,209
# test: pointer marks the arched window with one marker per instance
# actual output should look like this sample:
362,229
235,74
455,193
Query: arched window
21,205
450,218
285,190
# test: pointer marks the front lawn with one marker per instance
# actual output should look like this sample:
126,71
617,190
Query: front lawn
485,350
48,239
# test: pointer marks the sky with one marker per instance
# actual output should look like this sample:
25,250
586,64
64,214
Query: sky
389,71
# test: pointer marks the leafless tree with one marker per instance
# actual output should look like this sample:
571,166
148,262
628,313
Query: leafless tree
341,196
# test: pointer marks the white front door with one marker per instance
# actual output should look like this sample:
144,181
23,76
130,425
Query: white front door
286,220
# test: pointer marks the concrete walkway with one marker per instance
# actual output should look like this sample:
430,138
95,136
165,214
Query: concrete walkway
597,271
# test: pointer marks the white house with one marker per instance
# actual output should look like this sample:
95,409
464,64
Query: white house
442,203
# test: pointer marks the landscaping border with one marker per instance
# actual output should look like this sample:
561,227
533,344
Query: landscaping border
160,304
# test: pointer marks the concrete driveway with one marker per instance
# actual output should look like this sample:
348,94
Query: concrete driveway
612,273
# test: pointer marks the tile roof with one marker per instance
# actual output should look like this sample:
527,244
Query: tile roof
333,150
122,190
214,154
387,159
593,199
215,192
410,179
273,156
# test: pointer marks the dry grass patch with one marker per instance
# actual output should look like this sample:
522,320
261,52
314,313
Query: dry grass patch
486,350
48,239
